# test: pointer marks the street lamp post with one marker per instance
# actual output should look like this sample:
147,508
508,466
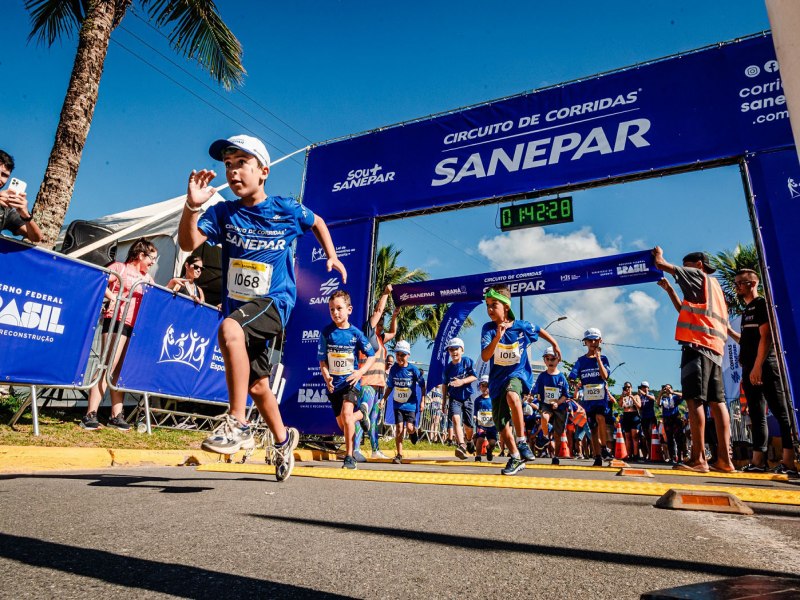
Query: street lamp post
554,321
615,368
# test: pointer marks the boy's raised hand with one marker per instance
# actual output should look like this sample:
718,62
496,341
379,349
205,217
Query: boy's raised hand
335,263
200,191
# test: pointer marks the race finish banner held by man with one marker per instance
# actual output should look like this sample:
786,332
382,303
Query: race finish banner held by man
49,310
710,104
177,354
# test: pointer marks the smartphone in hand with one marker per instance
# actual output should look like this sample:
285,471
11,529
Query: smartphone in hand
17,185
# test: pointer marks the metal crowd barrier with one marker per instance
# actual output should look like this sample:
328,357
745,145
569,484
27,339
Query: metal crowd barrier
51,288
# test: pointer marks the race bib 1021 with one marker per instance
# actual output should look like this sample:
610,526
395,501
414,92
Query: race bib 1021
341,363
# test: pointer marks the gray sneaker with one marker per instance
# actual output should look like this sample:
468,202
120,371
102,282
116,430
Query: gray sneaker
229,437
364,408
359,456
284,455
118,422
89,421
349,463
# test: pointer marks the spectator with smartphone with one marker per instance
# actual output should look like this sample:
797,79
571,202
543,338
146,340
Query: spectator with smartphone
14,214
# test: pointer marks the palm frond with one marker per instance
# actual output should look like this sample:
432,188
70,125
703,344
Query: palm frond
727,263
54,19
199,33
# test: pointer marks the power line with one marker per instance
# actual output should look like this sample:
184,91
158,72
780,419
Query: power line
239,91
566,337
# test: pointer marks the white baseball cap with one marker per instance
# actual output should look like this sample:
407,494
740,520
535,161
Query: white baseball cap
593,333
246,143
484,379
549,351
402,346
456,343
644,384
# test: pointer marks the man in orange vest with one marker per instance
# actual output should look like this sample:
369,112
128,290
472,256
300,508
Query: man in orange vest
702,331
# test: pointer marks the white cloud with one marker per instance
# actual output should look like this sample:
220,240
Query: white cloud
639,244
622,316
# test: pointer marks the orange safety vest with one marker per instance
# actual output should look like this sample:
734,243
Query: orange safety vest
376,376
705,324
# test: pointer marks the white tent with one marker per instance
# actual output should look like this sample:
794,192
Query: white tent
158,222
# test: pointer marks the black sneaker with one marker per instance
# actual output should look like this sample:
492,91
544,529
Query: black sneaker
89,421
525,452
398,459
751,468
413,437
478,458
555,461
513,466
349,463
782,469
471,447
489,455
118,422
598,461
461,452
606,453
364,408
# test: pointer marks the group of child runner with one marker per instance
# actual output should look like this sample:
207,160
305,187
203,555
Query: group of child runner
256,233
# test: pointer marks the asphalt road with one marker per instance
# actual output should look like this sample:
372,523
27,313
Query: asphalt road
176,532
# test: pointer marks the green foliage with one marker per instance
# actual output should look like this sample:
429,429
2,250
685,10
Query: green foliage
727,262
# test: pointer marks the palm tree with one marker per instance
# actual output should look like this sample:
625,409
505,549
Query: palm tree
197,33
410,321
727,263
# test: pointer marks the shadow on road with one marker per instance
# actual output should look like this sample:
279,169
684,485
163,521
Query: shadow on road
179,580
108,480
472,543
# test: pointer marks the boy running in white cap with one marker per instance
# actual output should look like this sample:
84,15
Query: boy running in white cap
404,378
458,376
259,291
504,342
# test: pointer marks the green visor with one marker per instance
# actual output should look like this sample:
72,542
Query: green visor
495,295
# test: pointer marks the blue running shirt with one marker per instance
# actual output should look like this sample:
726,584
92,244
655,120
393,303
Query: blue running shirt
257,255
404,381
483,411
670,405
510,358
593,386
339,348
460,370
550,388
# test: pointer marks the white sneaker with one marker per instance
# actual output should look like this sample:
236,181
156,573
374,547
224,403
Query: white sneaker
378,454
284,455
229,437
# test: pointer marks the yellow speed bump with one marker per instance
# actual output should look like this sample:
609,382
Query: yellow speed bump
639,488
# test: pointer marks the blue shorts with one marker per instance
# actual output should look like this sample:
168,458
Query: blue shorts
631,421
583,432
490,433
405,416
595,408
462,408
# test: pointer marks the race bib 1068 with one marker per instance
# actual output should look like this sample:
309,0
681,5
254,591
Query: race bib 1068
341,363
507,355
248,279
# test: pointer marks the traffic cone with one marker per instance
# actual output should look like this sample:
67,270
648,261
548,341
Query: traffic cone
563,446
655,445
620,451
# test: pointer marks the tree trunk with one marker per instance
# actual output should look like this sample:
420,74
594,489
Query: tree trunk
56,190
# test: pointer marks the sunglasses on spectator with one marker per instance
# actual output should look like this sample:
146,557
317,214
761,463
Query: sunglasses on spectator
740,283
197,267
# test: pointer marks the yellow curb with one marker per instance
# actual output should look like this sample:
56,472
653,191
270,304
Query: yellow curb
17,459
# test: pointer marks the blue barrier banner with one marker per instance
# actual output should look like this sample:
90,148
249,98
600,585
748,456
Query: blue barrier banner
305,402
606,271
775,181
49,310
173,349
701,106
452,321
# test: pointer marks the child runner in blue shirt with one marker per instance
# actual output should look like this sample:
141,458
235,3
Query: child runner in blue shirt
592,369
339,344
483,415
552,390
404,378
258,283
458,376
504,343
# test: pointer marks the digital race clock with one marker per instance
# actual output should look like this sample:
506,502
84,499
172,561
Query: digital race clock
535,214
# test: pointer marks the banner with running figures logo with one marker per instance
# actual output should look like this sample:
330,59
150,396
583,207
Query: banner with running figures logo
173,349
606,271
705,105
305,402
49,311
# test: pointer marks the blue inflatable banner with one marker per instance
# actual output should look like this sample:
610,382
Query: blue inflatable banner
173,349
775,181
451,324
49,311
305,402
606,271
701,106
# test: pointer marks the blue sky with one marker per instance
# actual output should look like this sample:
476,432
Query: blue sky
335,68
